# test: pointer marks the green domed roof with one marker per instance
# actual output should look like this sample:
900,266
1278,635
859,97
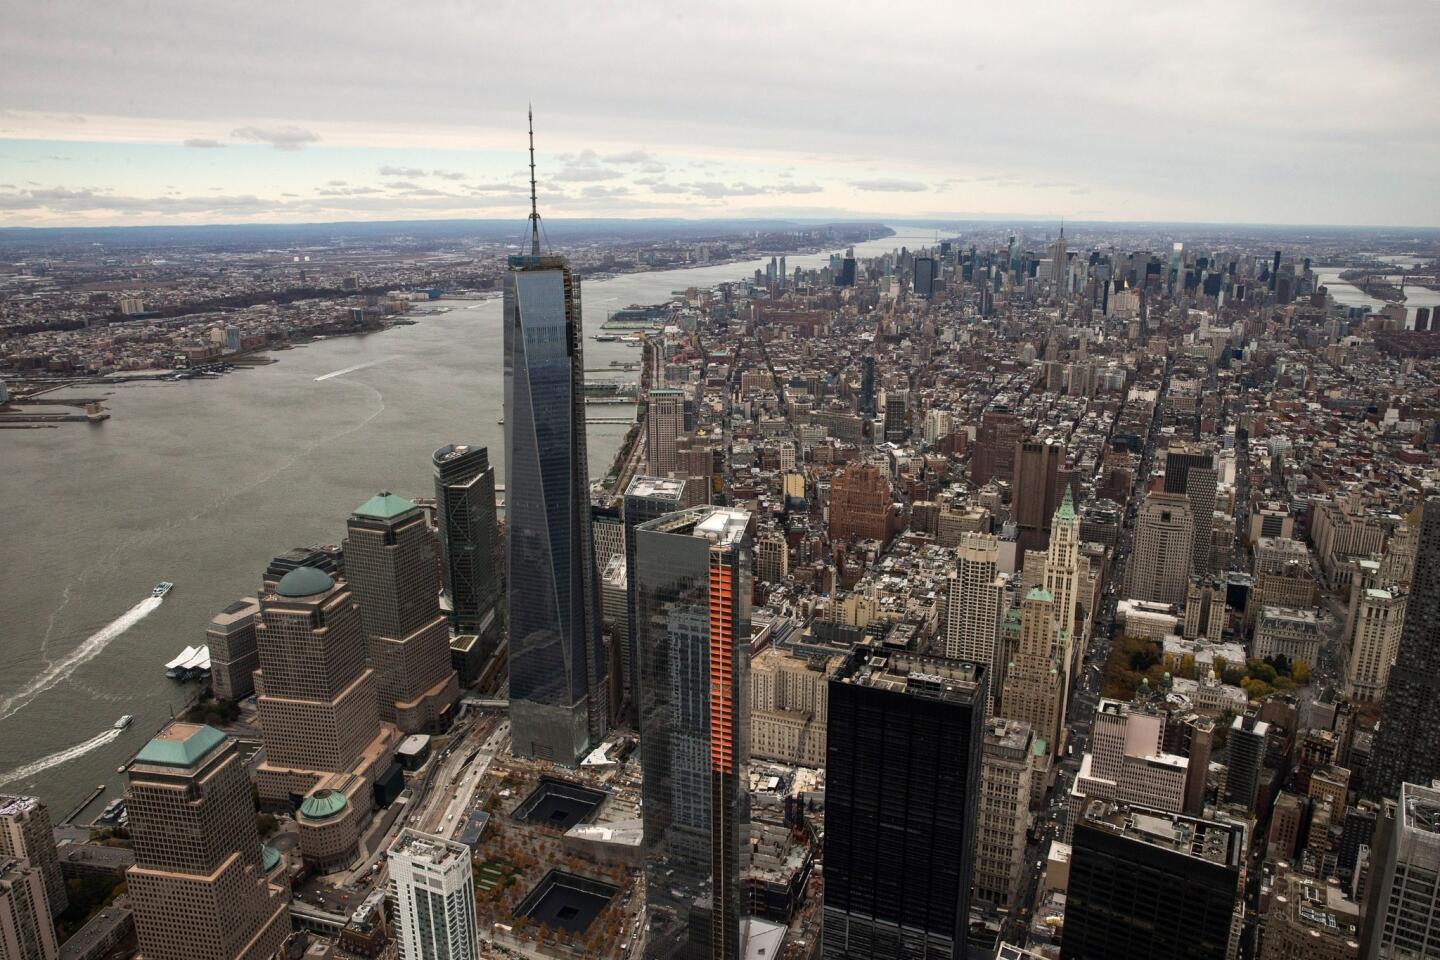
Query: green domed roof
323,804
304,582
269,857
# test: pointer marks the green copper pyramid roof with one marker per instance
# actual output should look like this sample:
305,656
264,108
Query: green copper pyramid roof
1067,506
1039,593
269,857
384,506
181,752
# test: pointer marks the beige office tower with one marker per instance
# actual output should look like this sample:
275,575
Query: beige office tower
1397,565
1190,469
233,658
1033,691
772,557
1378,618
26,834
390,565
974,607
1160,565
27,931
664,422
1127,762
198,888
323,737
1064,580
1205,609
788,706
1003,813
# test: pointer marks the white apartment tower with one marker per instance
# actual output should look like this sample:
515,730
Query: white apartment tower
434,895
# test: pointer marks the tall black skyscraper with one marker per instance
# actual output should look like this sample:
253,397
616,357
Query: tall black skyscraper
902,760
1407,745
465,511
1147,884
867,386
558,706
925,277
693,571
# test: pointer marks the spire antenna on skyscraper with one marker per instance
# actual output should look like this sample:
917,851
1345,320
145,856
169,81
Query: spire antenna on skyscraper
534,204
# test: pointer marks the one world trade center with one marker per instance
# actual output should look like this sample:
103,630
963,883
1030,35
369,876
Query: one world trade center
558,708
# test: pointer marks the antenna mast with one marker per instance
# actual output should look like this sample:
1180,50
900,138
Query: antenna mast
534,205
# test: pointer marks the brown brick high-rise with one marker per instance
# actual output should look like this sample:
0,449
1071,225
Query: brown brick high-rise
861,506
390,562
322,732
197,887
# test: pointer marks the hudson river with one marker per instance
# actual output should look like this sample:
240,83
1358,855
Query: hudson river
201,482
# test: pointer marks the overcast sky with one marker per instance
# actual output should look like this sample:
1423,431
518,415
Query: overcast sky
128,112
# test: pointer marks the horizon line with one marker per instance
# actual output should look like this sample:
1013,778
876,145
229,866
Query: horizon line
930,220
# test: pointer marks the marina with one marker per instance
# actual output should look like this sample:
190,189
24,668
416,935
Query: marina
193,663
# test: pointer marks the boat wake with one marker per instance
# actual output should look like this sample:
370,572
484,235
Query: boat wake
64,756
342,372
89,649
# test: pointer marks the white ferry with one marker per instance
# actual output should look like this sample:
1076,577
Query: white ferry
162,588
124,722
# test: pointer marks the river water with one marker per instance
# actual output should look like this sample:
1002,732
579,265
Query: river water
201,482
1352,296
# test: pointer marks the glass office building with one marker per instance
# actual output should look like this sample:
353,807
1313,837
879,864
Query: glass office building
694,584
902,767
465,511
558,708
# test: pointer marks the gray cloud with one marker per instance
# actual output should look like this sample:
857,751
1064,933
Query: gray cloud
719,189
75,58
882,185
202,143
97,199
449,174
390,171
281,138
584,166
633,156
339,189
597,191
497,188
402,185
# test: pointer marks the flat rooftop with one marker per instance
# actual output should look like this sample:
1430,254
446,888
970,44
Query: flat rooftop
424,848
13,806
720,525
659,488
1421,808
1206,840
935,678
724,525
238,613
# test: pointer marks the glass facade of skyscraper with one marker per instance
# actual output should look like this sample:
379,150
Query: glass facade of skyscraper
694,585
558,703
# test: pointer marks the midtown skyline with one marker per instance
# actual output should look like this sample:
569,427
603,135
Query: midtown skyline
205,121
